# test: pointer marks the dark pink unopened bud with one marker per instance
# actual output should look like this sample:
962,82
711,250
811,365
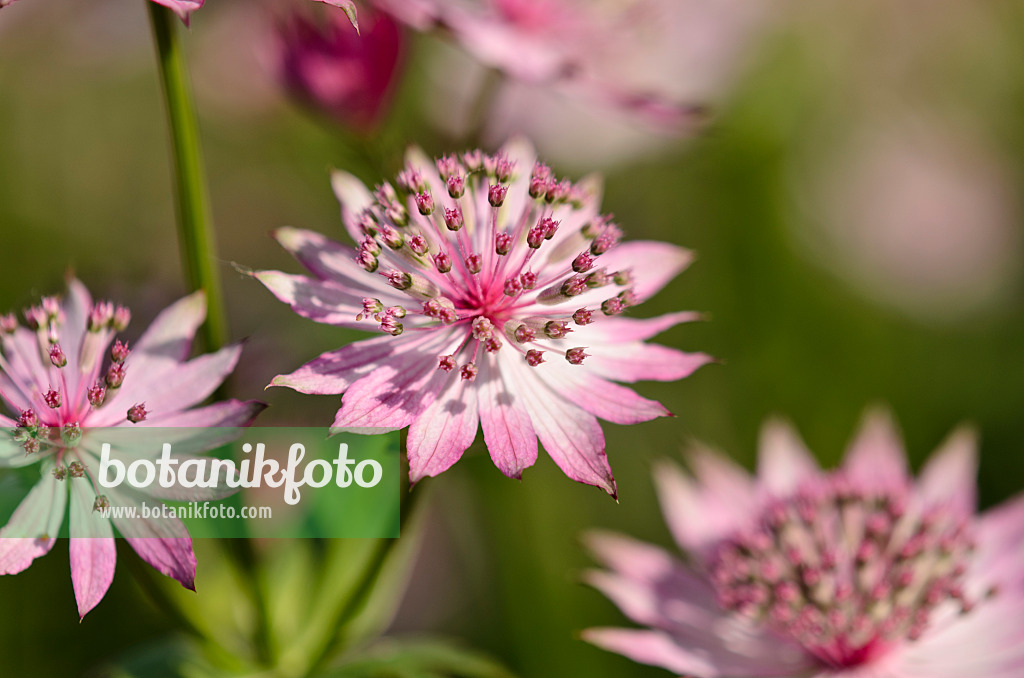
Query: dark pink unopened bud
496,195
534,357
97,394
57,357
474,263
115,375
453,218
469,371
53,399
575,356
502,243
418,244
425,204
119,352
443,262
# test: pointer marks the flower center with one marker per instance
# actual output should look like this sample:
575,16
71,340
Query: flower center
845,573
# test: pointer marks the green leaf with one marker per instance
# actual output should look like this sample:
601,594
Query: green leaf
393,658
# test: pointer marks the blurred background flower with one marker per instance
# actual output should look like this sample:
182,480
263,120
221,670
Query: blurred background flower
85,185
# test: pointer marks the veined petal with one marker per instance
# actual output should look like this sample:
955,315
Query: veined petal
33,528
445,429
171,333
93,554
637,361
653,264
599,397
571,436
224,414
333,262
391,397
77,305
321,301
508,430
653,648
164,543
335,371
354,197
620,329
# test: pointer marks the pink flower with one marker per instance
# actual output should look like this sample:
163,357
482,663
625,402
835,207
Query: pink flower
183,8
860,572
646,65
63,377
499,290
347,75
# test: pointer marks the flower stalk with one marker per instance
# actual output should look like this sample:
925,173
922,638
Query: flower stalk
195,225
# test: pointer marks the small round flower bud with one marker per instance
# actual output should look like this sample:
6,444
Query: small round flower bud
598,278
502,243
8,323
574,286
469,372
425,204
534,357
443,262
28,419
575,356
101,315
396,311
390,236
51,307
493,344
503,169
550,227
496,195
624,277
535,237
53,399
60,472
370,245
418,244
483,328
97,394
76,470
583,317
474,263
367,261
608,239
448,166
539,179
137,413
529,280
101,503
558,192
583,263
473,160
456,185
453,218
119,352
70,434
389,325
557,329
524,334
122,316
513,286
613,306
446,363
368,224
400,280
115,375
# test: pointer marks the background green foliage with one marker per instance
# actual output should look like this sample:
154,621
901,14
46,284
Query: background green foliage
84,185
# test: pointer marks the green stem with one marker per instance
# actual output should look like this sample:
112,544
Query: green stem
199,250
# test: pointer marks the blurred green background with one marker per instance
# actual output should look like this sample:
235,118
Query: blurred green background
807,325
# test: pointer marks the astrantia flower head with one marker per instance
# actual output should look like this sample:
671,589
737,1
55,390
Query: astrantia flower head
65,374
862,571
499,289
337,71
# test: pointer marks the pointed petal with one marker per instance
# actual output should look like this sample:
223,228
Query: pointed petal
333,262
599,397
353,197
93,554
949,477
571,436
77,306
33,528
876,458
653,264
323,302
445,429
171,333
784,462
636,361
162,542
335,371
220,415
620,329
653,648
508,432
391,397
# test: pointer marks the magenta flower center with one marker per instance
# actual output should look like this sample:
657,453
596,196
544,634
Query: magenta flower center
470,261
846,574
78,384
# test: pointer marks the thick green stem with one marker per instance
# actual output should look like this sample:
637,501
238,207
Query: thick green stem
195,231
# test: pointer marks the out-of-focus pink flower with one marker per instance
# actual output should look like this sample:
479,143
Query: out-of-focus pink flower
499,290
859,572
347,75
648,66
62,377
919,215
